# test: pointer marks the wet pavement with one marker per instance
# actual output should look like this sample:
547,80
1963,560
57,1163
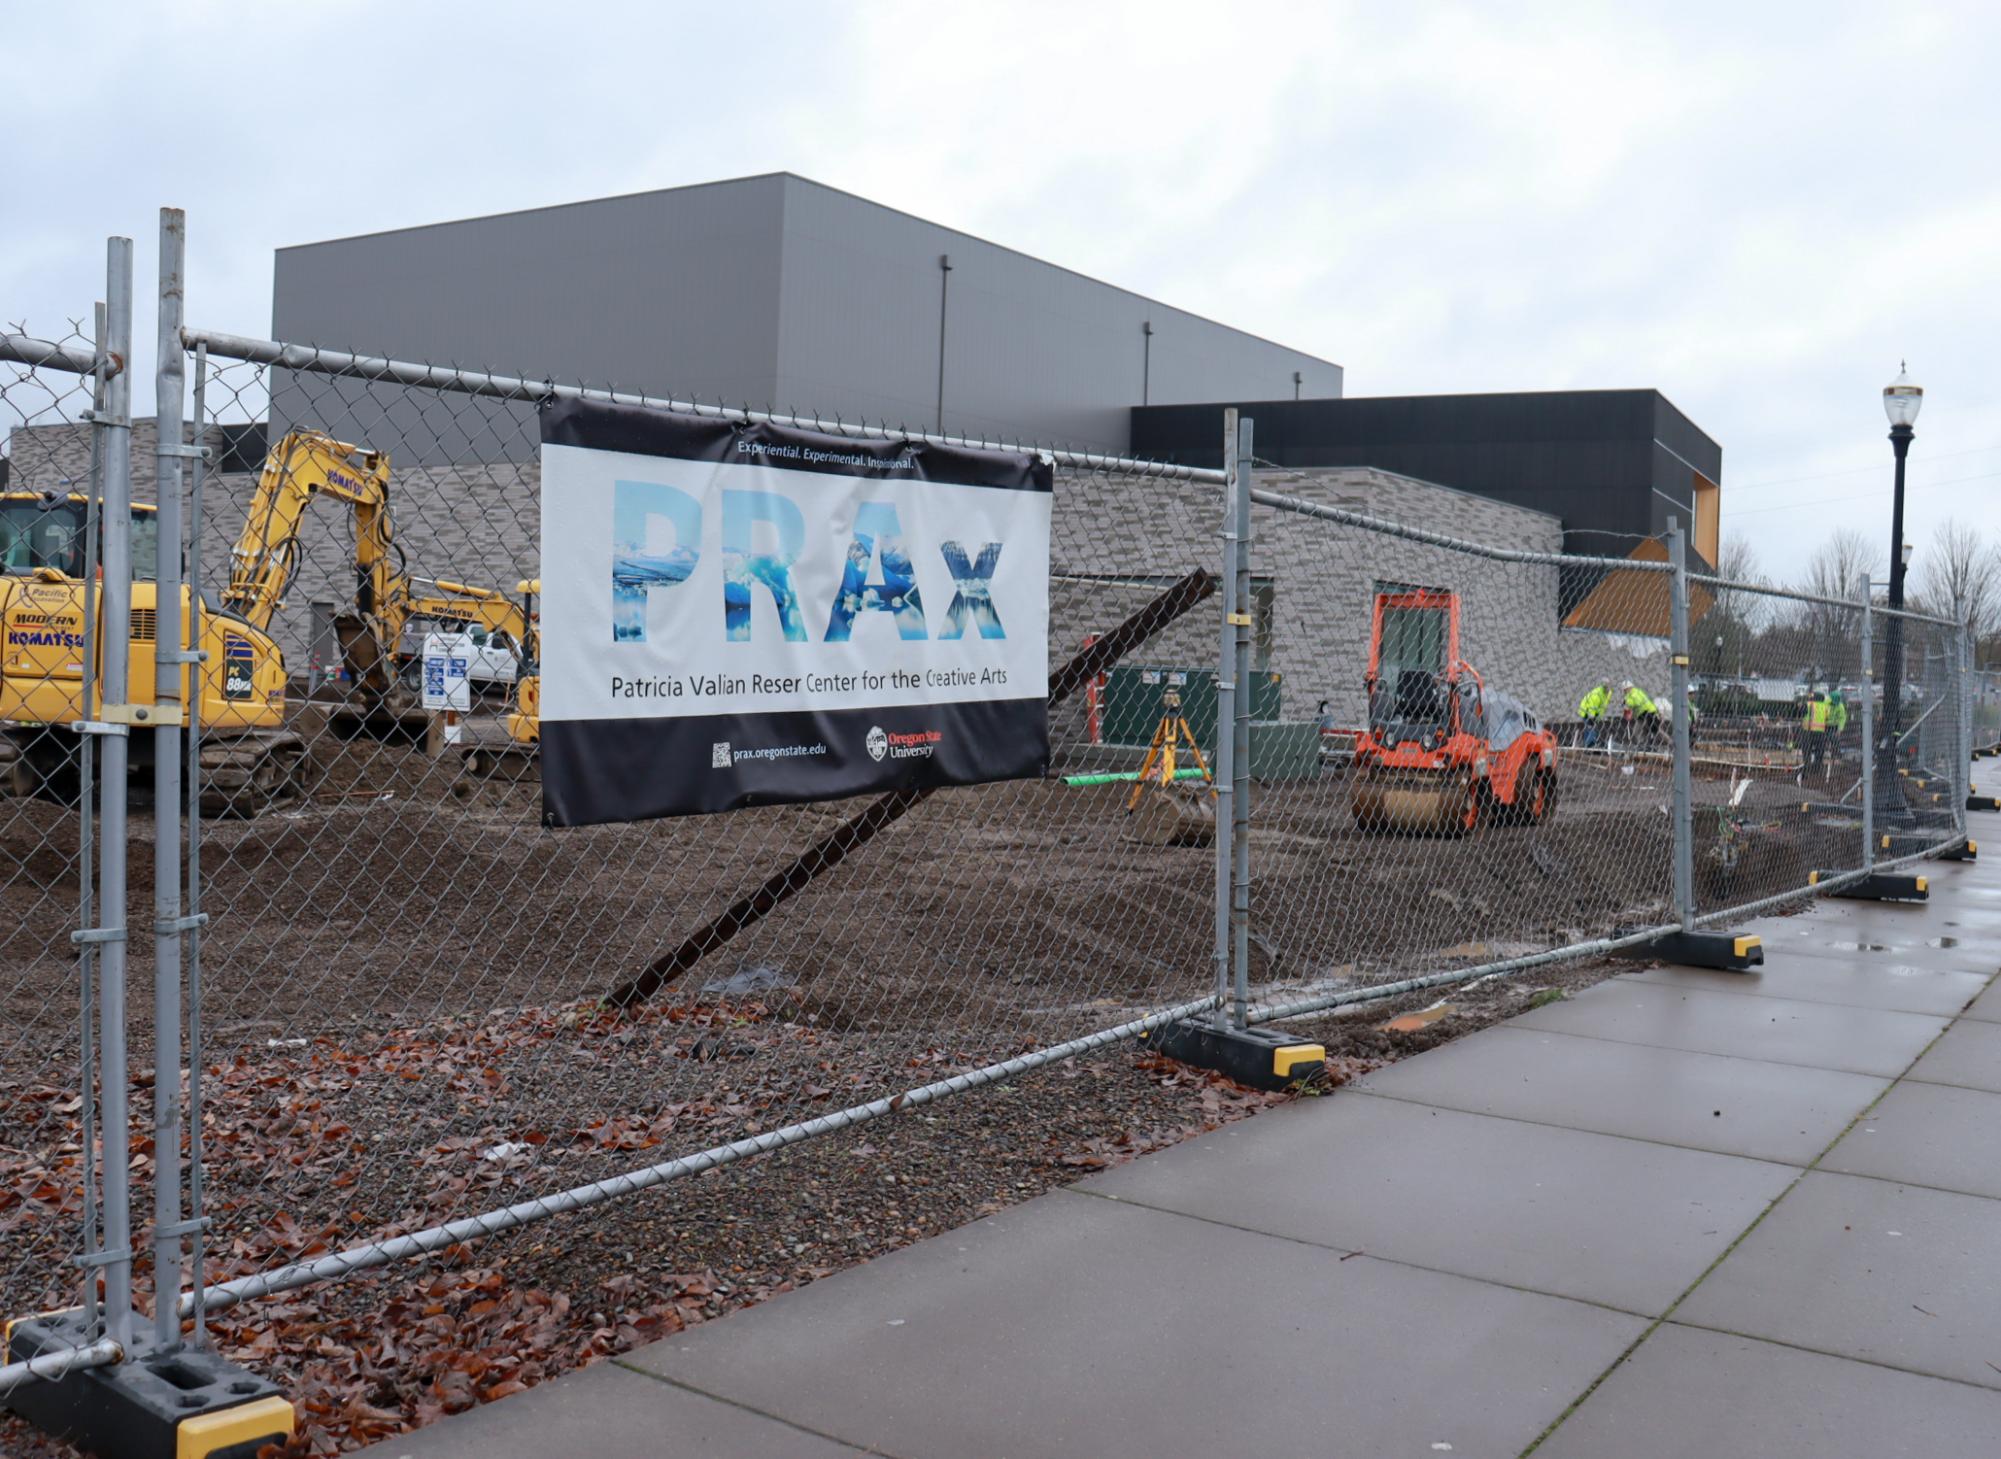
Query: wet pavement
1683,1213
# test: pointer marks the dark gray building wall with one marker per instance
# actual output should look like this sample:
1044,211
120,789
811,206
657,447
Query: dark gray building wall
1612,465
764,291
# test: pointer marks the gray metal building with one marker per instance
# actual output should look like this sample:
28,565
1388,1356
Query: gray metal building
772,291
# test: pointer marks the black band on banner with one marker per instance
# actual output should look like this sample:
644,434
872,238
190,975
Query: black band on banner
601,770
600,425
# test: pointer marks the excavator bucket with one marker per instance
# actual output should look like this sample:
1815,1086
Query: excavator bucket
490,769
1172,816
1414,803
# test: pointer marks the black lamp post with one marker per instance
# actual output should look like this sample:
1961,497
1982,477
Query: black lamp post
1901,403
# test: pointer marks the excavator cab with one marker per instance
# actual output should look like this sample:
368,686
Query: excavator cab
44,595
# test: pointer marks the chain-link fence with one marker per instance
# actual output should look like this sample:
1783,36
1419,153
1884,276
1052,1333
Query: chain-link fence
1920,777
1307,750
1780,742
1479,773
71,547
48,389
1984,709
489,1014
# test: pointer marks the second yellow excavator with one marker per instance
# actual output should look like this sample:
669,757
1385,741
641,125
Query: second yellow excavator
387,598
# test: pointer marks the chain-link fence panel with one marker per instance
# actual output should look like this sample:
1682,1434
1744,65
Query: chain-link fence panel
1921,788
49,472
1463,762
1984,709
1779,756
422,1006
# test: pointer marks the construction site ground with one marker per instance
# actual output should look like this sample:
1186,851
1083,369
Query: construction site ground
383,896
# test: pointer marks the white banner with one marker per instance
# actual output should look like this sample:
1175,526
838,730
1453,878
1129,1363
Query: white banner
785,597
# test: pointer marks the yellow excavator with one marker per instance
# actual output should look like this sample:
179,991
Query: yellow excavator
250,760
385,691
489,762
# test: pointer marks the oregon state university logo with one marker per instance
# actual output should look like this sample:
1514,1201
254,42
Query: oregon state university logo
877,742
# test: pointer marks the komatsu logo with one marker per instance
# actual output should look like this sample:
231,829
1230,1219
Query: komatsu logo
43,638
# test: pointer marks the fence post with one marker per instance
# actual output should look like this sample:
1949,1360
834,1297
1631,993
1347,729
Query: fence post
173,651
1240,807
1868,654
1226,718
195,916
1684,794
86,846
1962,775
114,431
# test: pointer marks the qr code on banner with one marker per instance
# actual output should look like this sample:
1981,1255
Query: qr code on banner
719,755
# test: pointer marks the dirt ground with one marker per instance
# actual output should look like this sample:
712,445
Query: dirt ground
382,898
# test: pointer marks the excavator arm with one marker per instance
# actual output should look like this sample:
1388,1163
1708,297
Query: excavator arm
458,603
305,464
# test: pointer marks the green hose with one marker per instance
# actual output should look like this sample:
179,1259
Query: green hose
1113,777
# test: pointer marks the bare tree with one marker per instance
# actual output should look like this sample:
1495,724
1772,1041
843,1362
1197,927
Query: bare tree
1738,561
1959,577
1842,564
1840,568
1729,626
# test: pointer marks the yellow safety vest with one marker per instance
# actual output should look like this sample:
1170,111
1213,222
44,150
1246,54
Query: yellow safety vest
1817,714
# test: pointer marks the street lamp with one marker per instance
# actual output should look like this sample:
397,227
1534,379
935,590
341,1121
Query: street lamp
1901,402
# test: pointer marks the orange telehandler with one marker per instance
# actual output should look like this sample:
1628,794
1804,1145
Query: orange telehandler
1443,751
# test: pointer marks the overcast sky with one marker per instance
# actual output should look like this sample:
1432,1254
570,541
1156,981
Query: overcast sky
1756,208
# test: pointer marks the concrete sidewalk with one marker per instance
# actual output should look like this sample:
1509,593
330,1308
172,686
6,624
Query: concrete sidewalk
1683,1213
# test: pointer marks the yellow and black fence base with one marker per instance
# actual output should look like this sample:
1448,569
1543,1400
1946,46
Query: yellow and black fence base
1260,1057
183,1404
1983,802
1878,886
1730,952
1894,844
